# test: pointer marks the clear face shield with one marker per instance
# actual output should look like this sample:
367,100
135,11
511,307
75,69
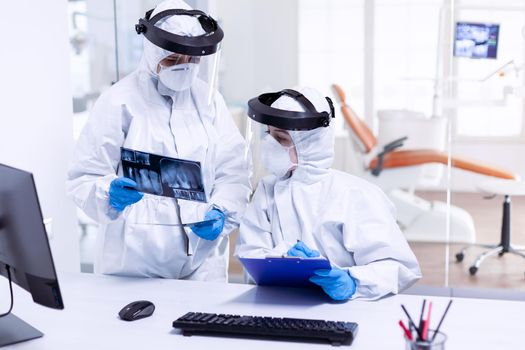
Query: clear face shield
272,141
272,150
187,58
209,73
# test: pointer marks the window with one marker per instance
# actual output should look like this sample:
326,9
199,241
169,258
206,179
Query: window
331,50
405,54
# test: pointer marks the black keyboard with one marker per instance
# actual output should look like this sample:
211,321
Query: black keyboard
297,329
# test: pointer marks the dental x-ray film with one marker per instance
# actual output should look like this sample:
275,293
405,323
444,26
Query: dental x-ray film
164,176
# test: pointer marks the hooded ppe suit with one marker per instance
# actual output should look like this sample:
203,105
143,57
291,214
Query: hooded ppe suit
348,220
140,113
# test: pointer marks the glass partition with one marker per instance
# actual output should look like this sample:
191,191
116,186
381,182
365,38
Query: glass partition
447,75
407,66
487,109
93,69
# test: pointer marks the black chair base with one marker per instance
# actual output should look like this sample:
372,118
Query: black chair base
502,248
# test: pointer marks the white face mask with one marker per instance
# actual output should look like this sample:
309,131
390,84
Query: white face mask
179,77
275,157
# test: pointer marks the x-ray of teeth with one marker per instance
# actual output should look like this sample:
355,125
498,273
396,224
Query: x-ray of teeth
179,175
149,180
476,40
128,155
142,158
164,176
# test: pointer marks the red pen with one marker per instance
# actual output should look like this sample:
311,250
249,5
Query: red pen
426,323
405,329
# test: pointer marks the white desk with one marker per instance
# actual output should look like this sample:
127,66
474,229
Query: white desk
92,302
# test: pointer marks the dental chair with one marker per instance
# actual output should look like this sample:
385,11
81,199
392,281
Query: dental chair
399,171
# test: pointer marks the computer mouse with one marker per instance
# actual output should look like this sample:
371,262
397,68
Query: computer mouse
137,310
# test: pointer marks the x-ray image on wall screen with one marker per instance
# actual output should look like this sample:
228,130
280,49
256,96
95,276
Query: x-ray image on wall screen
476,40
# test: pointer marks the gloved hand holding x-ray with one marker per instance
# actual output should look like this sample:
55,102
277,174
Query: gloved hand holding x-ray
212,225
164,176
122,193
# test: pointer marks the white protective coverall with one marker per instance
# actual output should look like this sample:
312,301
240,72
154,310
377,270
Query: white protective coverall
348,220
140,113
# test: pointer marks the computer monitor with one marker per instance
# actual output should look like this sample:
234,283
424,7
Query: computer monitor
25,256
476,40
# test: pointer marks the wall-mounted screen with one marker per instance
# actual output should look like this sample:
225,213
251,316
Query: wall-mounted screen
476,40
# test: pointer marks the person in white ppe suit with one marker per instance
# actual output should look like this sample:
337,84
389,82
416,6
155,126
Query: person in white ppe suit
307,209
163,108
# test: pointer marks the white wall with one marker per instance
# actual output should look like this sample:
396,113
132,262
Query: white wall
36,110
260,47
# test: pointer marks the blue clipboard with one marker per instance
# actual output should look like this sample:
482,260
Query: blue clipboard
284,272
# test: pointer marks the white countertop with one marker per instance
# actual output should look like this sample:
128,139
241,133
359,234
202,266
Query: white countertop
90,321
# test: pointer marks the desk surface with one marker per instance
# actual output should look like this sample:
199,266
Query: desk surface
92,302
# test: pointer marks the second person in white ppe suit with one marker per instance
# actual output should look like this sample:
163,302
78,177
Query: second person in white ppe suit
163,108
307,209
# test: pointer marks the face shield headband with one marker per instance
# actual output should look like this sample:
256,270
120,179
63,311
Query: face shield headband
259,110
202,45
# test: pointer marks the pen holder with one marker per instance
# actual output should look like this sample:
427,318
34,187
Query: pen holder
437,344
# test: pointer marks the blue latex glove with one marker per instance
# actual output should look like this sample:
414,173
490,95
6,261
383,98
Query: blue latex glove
122,193
337,283
301,250
210,231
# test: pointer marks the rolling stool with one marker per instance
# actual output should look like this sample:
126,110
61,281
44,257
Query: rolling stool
507,188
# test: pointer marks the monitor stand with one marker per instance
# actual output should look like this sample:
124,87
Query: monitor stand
14,330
